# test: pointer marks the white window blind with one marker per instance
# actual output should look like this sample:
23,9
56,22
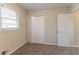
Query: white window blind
9,19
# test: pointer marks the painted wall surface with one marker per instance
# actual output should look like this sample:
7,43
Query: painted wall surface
12,39
50,23
75,28
75,25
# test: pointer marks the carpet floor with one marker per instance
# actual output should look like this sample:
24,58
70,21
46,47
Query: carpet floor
41,49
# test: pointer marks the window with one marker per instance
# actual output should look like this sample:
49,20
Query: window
8,19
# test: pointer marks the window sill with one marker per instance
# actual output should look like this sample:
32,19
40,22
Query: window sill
8,30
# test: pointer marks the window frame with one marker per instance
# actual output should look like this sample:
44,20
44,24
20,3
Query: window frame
17,19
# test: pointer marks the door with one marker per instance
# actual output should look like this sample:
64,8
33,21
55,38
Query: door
37,29
63,30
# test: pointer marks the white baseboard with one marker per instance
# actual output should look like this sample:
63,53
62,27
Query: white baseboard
16,48
50,43
75,46
45,43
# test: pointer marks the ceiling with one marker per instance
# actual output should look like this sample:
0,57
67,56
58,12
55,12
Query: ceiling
37,6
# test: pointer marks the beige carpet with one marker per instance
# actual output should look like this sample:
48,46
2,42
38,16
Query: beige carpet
41,49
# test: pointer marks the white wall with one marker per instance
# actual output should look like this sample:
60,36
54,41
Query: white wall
13,39
50,23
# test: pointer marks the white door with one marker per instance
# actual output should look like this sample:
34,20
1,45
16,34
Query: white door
37,29
63,30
